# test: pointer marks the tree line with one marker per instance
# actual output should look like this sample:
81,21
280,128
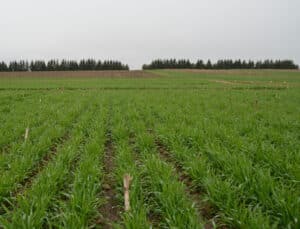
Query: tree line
221,64
63,65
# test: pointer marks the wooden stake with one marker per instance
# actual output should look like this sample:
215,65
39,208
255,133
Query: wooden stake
26,134
126,180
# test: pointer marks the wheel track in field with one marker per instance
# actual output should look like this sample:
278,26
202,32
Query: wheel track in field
110,210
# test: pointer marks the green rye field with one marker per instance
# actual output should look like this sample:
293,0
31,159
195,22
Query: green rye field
205,149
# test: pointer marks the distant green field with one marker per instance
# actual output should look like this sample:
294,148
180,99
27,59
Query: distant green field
204,149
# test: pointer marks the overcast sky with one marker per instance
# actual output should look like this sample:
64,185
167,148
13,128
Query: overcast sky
137,31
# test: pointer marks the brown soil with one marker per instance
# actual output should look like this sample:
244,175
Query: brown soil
234,71
110,210
102,88
80,74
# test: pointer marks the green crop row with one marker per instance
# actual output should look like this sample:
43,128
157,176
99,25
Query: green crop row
46,118
256,196
159,198
33,203
200,155
82,201
17,167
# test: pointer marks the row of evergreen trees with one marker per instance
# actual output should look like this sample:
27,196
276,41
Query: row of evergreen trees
91,64
221,64
64,65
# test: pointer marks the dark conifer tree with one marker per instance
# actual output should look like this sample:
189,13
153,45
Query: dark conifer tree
3,67
199,64
53,65
208,65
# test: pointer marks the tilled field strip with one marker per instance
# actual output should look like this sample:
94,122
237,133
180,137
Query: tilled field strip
164,193
136,155
191,170
219,173
39,167
205,211
79,199
208,167
79,75
37,198
226,157
128,160
24,168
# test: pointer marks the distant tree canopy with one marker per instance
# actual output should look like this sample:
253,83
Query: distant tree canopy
64,65
221,64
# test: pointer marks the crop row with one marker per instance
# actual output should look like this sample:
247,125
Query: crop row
17,166
246,188
158,198
196,160
36,204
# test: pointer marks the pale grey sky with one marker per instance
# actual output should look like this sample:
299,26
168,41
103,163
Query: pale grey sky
137,31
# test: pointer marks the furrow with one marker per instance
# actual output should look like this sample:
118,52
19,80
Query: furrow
25,168
35,202
110,210
47,158
204,209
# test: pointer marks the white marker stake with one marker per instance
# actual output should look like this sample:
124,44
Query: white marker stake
26,133
126,180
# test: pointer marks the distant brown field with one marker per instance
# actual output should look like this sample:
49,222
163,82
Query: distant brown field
80,74
236,71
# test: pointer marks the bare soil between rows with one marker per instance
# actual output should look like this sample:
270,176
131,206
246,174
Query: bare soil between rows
205,210
110,210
